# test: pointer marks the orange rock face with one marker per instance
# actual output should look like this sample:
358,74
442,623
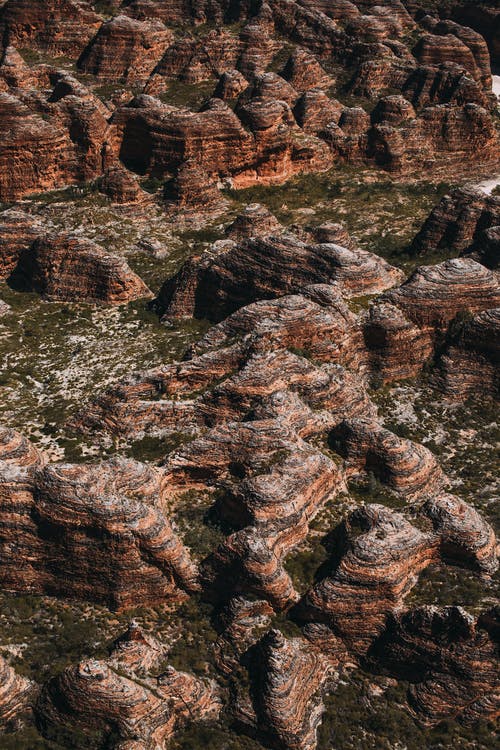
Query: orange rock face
82,530
64,267
111,694
262,543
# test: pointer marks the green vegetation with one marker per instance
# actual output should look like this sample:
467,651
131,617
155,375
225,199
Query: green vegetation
358,716
197,526
190,95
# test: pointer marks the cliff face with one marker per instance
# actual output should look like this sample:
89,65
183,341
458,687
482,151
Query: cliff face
88,532
120,696
64,267
287,524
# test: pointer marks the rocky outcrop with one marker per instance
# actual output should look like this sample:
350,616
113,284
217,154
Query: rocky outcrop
56,138
433,50
407,467
95,532
315,110
17,450
213,286
304,72
376,560
59,27
192,188
458,222
433,295
440,134
126,50
477,62
450,659
254,221
465,536
230,85
120,186
118,697
397,347
67,268
287,691
16,695
470,364
37,147
484,19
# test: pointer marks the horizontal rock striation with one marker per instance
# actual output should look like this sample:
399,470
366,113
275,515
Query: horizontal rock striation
466,538
406,467
376,561
64,267
59,27
458,222
450,659
470,364
287,691
109,696
16,695
433,295
214,286
126,50
95,532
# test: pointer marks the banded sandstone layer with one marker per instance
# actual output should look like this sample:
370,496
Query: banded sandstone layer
256,511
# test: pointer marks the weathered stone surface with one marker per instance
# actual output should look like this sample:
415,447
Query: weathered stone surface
433,295
451,660
457,222
68,268
16,695
17,450
485,20
95,532
477,62
304,72
466,538
230,85
314,111
376,561
60,27
111,695
470,364
407,467
254,221
214,286
397,347
288,705
120,186
126,50
192,188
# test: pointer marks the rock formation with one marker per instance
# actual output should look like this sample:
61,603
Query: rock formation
126,50
376,560
458,223
469,364
287,691
434,295
114,697
192,188
407,467
450,659
466,538
64,267
213,286
16,695
94,532
59,27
